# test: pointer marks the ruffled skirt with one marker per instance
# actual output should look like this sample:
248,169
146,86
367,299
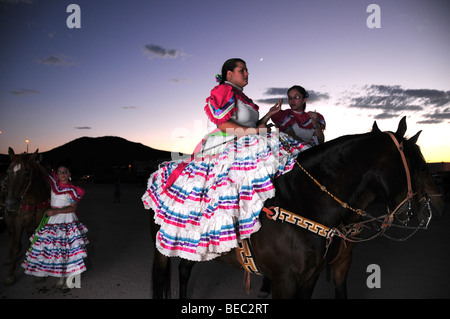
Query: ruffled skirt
217,196
59,249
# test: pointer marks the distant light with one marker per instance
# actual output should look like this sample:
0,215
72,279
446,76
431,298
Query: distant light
260,60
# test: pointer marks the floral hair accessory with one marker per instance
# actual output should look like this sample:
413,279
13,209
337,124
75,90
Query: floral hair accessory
218,78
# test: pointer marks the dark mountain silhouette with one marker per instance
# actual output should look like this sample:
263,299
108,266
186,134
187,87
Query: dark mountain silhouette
107,149
107,158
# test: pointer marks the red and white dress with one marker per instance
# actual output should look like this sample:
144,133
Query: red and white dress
300,122
60,246
209,203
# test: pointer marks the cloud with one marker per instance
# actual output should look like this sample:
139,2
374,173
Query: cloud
178,81
22,92
396,98
60,60
130,107
82,127
15,2
392,100
155,51
384,116
438,116
276,91
382,101
281,93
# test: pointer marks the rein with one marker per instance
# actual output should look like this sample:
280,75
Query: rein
31,207
348,232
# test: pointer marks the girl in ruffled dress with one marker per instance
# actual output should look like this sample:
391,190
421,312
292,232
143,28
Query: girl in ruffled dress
209,203
307,127
58,245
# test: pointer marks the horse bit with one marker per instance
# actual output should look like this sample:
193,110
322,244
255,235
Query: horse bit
348,232
29,208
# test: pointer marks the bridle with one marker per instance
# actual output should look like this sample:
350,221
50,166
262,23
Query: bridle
410,194
350,231
27,207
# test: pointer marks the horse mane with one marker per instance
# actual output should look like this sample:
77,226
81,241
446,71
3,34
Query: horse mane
39,189
344,161
40,178
333,153
364,161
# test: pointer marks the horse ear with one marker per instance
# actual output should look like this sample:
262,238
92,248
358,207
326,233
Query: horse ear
375,128
401,130
415,137
34,156
11,154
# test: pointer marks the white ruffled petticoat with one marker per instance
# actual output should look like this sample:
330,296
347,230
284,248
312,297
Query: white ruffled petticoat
59,249
216,200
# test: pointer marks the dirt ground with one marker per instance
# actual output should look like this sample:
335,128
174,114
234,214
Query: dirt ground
121,252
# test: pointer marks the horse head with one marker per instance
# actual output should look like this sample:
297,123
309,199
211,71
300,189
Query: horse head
412,189
19,177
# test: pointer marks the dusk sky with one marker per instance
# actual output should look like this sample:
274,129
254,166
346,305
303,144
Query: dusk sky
142,70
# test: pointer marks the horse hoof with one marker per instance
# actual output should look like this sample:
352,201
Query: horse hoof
9,281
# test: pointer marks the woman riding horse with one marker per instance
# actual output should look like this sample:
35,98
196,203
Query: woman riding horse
332,185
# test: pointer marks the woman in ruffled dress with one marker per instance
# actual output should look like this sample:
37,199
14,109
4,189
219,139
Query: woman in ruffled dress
58,245
209,203
307,127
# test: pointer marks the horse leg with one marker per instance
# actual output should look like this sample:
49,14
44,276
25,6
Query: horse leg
340,267
289,288
161,276
283,288
265,289
184,273
15,245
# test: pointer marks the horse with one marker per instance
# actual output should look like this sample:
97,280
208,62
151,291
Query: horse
3,191
28,197
357,168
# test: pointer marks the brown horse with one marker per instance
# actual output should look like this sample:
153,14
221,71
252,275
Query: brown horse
27,199
332,185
